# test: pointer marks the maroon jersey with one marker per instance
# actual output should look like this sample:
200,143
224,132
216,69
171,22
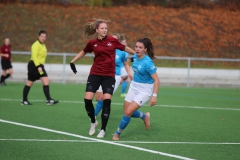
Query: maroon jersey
6,50
104,50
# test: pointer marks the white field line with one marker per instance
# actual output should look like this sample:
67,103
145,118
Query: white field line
132,142
208,143
121,104
48,140
96,140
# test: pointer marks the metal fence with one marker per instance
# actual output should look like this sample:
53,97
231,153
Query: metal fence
188,59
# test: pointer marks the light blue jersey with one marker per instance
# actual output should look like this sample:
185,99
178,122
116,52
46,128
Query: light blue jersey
126,55
119,60
143,69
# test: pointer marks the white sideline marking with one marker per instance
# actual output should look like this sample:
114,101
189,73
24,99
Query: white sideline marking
121,104
97,140
134,142
47,140
212,143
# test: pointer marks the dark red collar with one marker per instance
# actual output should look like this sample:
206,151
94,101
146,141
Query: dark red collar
102,38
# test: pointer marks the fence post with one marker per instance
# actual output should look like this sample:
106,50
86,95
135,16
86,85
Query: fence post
188,76
64,68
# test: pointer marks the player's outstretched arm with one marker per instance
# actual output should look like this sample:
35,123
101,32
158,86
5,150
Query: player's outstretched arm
153,100
128,70
129,50
78,56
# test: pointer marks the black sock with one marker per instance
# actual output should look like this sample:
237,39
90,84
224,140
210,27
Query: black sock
8,75
105,113
90,109
25,92
46,92
2,78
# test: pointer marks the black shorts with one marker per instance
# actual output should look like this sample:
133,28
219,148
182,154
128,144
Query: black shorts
6,64
94,81
33,73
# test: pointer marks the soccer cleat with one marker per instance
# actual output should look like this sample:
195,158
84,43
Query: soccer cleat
123,95
51,102
101,134
25,103
147,120
115,137
2,84
92,128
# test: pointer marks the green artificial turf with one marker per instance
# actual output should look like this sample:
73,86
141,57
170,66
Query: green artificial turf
203,120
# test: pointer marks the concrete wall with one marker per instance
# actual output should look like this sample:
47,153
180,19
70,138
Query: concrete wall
168,76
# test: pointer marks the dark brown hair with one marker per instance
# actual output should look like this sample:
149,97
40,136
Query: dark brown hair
42,32
148,44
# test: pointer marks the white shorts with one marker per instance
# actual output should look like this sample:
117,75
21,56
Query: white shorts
140,93
117,83
123,72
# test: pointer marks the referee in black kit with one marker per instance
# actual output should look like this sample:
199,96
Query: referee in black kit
36,69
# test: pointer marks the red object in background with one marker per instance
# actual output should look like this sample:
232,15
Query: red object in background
6,50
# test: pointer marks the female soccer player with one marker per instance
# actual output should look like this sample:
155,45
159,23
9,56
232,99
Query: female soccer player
120,60
143,87
124,75
102,71
36,69
5,53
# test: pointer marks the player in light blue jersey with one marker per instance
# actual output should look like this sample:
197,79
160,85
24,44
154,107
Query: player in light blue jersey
124,76
120,59
144,86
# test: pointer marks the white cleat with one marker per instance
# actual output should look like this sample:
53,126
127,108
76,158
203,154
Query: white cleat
92,128
147,120
101,134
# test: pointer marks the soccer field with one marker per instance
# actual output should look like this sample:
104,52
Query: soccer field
187,123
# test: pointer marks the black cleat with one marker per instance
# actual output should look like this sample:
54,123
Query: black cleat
26,103
51,102
3,84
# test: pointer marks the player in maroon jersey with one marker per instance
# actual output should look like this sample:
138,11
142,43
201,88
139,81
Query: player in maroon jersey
6,59
102,71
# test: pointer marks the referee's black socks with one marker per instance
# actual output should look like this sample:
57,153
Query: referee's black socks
2,78
5,77
90,109
105,113
25,92
46,92
8,75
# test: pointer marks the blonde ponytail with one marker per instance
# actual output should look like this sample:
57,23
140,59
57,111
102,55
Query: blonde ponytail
90,27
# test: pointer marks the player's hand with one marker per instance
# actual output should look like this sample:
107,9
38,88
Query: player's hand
153,101
40,71
72,65
6,55
130,76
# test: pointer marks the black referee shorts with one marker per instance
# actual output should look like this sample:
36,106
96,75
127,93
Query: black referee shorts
94,81
33,73
6,64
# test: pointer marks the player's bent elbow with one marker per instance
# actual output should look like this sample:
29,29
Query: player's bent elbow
158,82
